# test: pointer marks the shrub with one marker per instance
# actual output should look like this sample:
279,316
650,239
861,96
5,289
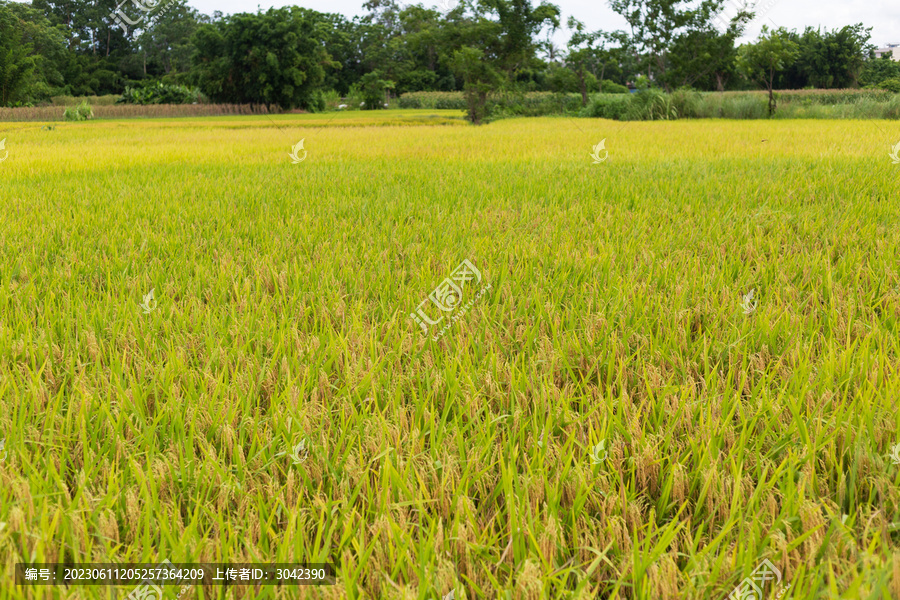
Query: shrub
603,106
159,93
316,101
82,112
891,85
562,79
611,87
374,89
649,104
410,101
355,98
332,100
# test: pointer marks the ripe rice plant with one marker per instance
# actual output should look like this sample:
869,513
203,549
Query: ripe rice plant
685,364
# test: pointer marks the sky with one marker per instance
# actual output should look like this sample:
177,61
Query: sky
882,15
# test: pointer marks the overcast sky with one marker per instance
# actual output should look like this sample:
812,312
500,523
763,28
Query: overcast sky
882,15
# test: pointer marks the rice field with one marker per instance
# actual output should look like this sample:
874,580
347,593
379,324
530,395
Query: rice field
661,369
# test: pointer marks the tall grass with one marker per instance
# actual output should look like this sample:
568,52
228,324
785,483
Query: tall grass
649,105
653,104
54,113
501,104
824,96
107,100
434,100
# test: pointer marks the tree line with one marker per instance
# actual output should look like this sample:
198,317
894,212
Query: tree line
291,57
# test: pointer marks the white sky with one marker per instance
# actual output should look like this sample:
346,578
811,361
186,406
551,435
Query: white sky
882,15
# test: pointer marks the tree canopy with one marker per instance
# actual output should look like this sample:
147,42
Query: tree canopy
290,57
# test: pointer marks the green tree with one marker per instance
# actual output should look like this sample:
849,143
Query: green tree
165,44
90,26
876,70
566,80
589,58
828,59
656,24
31,52
80,20
373,89
510,29
704,57
427,44
341,40
480,80
17,65
99,57
271,58
413,46
382,41
773,52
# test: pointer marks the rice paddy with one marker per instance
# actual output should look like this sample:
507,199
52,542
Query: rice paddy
685,361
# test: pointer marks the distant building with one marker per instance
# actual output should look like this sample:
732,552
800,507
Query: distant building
894,48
